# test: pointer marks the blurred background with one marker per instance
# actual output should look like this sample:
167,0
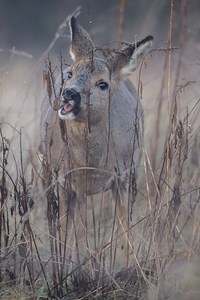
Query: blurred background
31,25
29,32
168,85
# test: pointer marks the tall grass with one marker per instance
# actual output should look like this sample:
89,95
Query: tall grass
162,240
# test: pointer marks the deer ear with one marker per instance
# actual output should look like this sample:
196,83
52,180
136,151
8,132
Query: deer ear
130,56
81,43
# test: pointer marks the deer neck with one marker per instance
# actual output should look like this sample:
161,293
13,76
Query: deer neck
88,145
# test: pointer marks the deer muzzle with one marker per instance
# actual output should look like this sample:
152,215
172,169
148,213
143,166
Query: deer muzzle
71,107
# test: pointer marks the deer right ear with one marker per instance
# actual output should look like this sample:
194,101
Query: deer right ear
81,43
128,58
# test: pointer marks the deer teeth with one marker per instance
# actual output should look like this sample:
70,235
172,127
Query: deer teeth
68,106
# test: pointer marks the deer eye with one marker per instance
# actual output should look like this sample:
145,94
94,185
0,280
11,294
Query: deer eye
69,75
102,85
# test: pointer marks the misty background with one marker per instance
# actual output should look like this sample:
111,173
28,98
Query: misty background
27,29
31,25
168,82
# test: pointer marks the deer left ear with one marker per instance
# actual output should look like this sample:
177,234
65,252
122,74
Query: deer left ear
130,56
81,43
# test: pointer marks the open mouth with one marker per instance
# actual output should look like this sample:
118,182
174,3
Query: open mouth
69,106
69,110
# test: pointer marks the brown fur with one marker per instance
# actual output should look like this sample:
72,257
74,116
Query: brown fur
100,147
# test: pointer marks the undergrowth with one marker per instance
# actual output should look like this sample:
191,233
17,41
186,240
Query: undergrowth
164,234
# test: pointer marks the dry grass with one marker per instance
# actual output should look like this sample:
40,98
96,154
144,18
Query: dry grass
163,237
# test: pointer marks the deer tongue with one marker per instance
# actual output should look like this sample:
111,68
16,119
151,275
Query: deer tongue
68,107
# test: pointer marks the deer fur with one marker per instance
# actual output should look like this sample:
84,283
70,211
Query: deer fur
94,141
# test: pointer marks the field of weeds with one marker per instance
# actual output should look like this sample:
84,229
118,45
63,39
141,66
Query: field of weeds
158,257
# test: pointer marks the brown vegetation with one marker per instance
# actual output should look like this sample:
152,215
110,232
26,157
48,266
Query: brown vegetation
163,257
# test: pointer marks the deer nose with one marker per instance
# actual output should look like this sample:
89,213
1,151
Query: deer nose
71,94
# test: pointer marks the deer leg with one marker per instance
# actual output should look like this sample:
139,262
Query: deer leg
121,224
73,223
120,216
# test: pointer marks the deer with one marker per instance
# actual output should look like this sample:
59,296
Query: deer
93,140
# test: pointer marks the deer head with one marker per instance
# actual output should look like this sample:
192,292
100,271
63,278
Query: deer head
95,75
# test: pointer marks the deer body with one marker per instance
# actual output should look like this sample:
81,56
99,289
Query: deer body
95,137
104,155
